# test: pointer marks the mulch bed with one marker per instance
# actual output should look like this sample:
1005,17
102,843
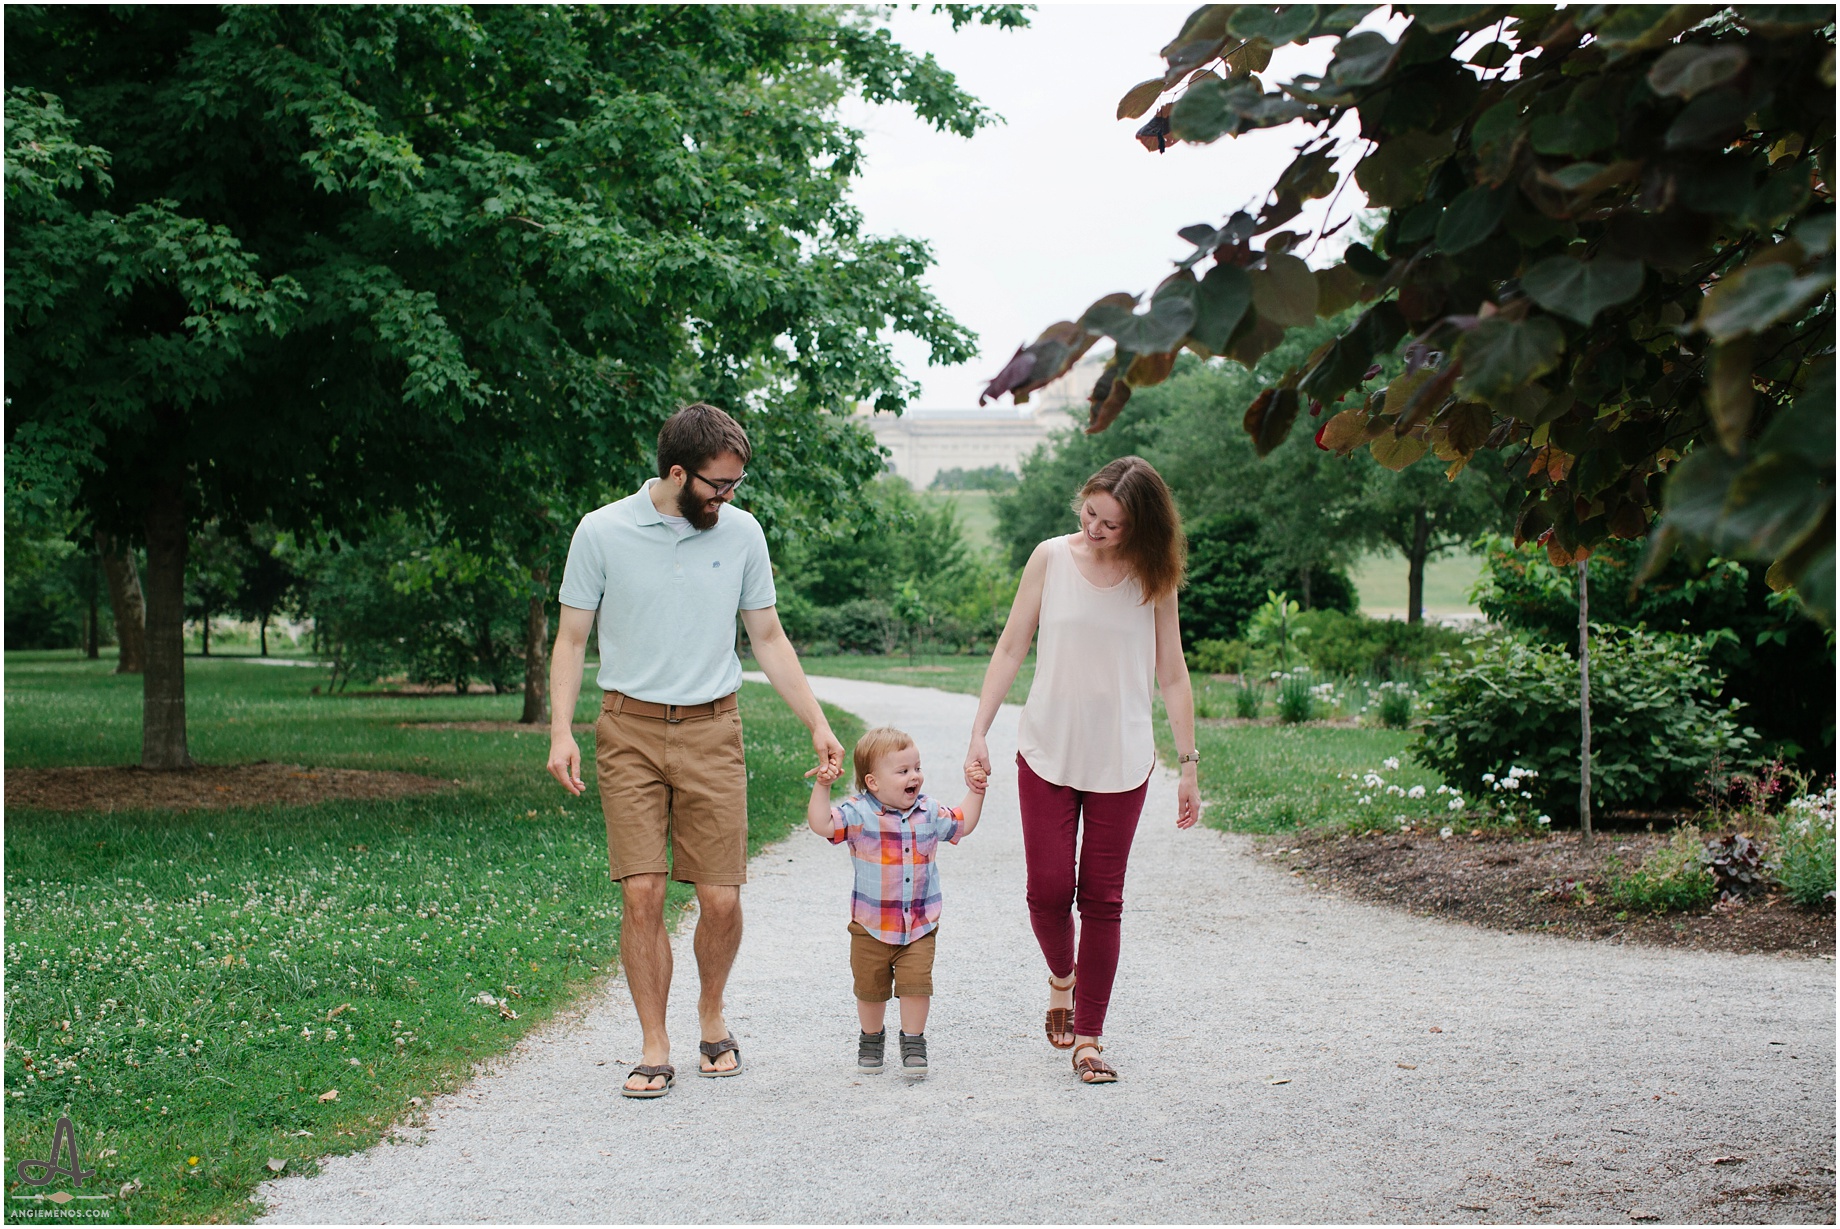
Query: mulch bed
206,787
1503,882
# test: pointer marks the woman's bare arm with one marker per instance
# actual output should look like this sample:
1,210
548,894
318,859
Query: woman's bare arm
1179,703
1007,658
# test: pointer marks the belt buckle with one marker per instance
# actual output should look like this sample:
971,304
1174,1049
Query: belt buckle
670,715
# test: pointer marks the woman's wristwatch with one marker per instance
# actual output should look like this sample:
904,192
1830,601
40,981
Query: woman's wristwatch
1193,757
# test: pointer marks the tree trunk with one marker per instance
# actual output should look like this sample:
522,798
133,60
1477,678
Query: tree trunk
1584,704
204,635
1303,584
125,600
264,627
1415,564
163,683
536,651
92,634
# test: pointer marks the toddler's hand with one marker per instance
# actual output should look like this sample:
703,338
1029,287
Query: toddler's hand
826,773
977,778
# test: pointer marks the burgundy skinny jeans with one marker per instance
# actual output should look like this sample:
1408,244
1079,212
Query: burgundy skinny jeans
1068,866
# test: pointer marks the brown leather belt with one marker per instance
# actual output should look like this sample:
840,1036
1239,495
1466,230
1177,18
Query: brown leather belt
620,702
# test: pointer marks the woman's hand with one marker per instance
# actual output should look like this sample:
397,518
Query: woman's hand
1188,798
977,764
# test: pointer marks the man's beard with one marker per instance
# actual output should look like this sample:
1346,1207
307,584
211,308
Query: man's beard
700,514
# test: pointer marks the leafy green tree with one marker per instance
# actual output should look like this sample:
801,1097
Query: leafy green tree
308,265
213,578
1609,237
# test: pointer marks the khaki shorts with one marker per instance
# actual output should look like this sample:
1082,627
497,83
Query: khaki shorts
676,787
885,970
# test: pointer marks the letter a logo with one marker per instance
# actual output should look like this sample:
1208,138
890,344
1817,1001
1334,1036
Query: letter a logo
63,1139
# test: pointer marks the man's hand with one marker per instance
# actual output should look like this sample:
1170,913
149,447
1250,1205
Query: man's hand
830,751
565,761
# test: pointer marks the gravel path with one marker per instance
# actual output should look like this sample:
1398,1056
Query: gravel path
1285,1056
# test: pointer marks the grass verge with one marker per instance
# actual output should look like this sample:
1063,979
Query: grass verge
946,671
191,988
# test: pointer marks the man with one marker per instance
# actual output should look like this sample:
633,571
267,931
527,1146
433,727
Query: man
667,568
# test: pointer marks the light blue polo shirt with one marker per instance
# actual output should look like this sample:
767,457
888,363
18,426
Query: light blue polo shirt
667,601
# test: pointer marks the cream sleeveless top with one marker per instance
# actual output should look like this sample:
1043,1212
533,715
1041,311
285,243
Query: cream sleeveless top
1087,721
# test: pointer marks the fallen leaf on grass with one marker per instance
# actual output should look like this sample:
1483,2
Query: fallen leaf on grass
276,1164
331,1094
337,1011
306,1133
129,1188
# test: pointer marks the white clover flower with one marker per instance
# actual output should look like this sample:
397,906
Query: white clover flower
1444,832
1396,790
1526,793
1443,789
1400,820
1417,791
1373,780
1488,778
1456,804
1366,798
1543,820
1391,761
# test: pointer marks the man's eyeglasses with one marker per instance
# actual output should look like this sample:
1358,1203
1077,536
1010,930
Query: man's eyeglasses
723,486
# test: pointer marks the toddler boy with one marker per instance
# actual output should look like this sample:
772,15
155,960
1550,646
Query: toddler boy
893,831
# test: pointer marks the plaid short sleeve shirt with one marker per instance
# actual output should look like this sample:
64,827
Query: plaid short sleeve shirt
896,895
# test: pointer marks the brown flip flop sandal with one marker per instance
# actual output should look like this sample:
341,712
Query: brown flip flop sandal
1060,1019
713,1050
650,1071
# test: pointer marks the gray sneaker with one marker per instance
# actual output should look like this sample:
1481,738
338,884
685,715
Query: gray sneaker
913,1054
869,1050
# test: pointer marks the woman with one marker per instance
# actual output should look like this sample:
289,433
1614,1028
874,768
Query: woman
1104,600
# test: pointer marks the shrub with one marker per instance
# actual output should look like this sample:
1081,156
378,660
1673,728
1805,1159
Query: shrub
1805,849
1393,705
1771,654
1219,656
1655,724
863,626
1670,877
1247,700
1296,696
1389,649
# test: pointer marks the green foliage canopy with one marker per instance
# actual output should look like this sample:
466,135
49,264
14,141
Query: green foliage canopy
1609,238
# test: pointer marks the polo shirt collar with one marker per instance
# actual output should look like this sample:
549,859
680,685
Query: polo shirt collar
645,512
883,808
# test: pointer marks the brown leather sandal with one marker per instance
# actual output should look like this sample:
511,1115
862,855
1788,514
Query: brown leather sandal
1060,1019
1092,1070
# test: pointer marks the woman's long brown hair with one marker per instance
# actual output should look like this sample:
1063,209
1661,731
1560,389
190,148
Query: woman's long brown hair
1154,548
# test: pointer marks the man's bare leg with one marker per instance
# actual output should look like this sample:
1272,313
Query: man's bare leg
718,938
645,952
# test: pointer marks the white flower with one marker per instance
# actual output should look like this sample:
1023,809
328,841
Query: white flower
1373,780
1456,804
1391,761
1526,793
1417,791
1489,778
1443,789
1444,832
1543,820
1396,791
1366,798
1400,820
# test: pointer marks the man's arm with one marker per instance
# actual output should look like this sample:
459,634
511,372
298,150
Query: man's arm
565,666
780,663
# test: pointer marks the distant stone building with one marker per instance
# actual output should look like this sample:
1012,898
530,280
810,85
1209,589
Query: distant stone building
920,443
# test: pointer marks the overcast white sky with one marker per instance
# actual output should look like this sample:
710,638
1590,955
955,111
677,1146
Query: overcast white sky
1032,220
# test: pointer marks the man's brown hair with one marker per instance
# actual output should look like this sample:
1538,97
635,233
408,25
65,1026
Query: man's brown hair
1154,548
872,746
696,435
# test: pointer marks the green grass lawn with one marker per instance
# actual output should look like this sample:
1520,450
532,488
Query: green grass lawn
1380,581
187,987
